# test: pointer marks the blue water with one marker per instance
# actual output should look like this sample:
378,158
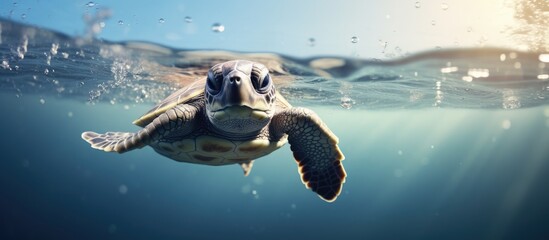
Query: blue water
435,149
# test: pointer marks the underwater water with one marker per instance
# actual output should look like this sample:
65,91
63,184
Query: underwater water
446,144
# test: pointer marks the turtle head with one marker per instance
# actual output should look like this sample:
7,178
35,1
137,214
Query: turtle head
240,96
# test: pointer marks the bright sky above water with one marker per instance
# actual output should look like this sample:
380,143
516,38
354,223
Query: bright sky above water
383,28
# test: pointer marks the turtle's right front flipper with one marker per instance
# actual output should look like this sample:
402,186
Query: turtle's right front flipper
177,121
116,141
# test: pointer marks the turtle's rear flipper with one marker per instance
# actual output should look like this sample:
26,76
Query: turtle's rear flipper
113,141
247,167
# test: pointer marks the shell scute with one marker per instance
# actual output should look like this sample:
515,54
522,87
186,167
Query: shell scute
183,95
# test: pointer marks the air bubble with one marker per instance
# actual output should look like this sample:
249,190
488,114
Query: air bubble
23,16
502,57
354,39
218,28
417,4
54,48
22,49
120,22
510,100
5,64
188,19
91,4
506,124
467,78
347,102
444,6
383,44
255,194
123,189
161,20
42,101
312,42
544,57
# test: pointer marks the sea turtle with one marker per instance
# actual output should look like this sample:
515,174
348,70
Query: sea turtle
233,116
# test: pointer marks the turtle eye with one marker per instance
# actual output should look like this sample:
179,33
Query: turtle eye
255,79
261,83
214,82
265,83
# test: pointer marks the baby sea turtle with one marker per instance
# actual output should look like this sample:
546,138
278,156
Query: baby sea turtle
235,116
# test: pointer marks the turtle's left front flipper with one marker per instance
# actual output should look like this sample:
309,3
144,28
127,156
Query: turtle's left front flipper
315,149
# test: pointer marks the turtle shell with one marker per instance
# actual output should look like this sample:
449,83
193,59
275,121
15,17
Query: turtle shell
180,96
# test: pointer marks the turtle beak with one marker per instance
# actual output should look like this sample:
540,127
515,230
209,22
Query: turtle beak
238,90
